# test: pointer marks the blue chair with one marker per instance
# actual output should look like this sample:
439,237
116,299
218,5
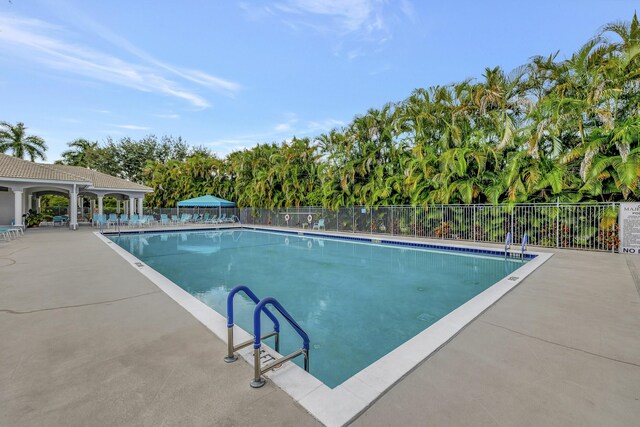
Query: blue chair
59,220
9,233
99,220
113,219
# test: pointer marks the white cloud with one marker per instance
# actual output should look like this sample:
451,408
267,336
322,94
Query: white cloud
133,127
168,116
287,126
347,16
321,126
306,128
282,127
351,15
356,53
407,8
38,41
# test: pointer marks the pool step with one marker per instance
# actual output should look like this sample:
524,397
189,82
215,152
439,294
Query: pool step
266,357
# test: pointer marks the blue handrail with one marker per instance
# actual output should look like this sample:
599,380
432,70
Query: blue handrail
231,348
254,298
258,381
525,238
256,322
507,242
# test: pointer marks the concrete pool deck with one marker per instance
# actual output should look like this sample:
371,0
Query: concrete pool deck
86,339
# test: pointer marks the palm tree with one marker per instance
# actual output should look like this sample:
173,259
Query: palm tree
82,153
15,138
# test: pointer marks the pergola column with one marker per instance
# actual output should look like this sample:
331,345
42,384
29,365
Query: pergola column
140,209
100,205
17,213
118,206
132,205
38,204
73,215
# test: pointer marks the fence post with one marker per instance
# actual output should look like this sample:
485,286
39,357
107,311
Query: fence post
613,229
558,222
392,220
353,219
473,226
371,219
511,228
442,222
415,221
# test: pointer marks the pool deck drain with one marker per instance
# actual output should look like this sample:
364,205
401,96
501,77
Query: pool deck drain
97,346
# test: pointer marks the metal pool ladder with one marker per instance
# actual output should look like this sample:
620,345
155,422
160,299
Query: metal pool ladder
507,244
260,307
525,240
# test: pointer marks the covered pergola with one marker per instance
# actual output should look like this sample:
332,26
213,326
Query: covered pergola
206,202
22,183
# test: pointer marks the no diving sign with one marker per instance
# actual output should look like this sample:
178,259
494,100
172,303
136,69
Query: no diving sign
629,226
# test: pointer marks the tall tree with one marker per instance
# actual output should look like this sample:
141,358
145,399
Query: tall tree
14,138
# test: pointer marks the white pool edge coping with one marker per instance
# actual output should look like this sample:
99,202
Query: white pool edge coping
340,405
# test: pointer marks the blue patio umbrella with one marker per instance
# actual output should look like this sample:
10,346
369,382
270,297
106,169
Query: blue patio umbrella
205,202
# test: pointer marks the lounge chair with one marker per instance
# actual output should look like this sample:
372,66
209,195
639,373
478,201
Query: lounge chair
16,229
151,220
9,233
134,221
124,219
212,220
164,219
99,220
175,219
319,225
112,220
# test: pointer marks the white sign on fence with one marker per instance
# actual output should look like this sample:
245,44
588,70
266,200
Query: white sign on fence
629,226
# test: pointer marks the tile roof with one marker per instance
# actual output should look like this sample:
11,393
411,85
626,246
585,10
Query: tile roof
13,167
102,180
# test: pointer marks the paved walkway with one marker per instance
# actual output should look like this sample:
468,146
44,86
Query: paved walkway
561,349
87,340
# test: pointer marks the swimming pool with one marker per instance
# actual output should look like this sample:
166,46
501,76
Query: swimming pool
357,300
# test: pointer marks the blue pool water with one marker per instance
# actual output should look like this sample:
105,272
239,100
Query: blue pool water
357,301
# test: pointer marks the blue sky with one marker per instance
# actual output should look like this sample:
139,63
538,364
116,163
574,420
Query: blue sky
231,74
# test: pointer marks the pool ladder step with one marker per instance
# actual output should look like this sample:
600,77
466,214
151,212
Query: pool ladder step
508,241
262,360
